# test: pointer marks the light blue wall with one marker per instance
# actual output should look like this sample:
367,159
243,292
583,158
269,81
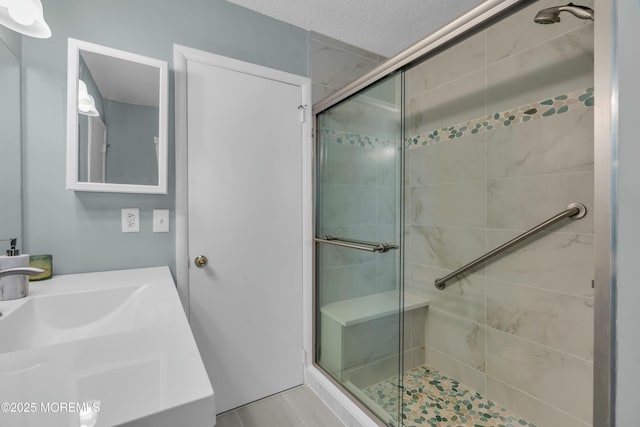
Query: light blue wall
628,247
82,230
10,148
12,39
131,156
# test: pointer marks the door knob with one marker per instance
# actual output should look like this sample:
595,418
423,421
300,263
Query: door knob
200,261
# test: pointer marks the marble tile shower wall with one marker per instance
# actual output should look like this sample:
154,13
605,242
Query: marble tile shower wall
334,64
359,201
520,328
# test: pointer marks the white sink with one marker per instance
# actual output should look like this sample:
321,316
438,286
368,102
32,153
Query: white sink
118,341
54,319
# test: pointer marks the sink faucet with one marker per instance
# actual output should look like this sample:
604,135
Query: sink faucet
29,271
16,287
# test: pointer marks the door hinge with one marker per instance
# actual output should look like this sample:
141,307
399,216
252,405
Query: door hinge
304,357
302,109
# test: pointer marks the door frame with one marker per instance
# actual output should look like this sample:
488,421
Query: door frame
181,55
103,147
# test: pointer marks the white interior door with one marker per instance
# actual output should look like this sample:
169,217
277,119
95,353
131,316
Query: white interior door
245,216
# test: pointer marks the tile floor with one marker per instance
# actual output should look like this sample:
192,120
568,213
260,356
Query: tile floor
434,400
298,407
430,399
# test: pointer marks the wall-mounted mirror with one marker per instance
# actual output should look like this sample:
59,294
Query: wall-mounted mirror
10,143
116,121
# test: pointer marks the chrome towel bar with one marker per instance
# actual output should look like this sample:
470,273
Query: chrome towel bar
357,244
573,211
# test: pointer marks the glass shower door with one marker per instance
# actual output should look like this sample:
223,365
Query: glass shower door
498,137
358,237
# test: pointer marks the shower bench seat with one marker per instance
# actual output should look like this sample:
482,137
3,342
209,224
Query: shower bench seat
358,310
359,336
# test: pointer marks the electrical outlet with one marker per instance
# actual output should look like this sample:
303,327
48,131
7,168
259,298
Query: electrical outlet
131,220
161,220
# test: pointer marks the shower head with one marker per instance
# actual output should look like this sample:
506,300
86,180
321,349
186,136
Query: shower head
551,15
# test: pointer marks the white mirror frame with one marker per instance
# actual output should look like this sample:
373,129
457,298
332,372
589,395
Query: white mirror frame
75,46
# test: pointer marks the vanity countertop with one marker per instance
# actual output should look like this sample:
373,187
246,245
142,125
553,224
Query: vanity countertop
101,349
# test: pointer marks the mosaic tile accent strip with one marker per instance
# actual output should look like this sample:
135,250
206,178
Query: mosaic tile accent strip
550,107
434,400
538,110
357,140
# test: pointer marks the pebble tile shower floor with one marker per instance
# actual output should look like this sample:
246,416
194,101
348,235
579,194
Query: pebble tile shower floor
434,400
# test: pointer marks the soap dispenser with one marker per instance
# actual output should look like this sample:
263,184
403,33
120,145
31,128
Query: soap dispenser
14,286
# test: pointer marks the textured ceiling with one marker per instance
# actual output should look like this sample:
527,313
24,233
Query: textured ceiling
382,26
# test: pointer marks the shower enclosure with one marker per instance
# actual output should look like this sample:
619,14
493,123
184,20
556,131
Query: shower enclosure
484,135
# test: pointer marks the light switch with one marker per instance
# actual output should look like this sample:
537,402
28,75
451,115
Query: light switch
161,220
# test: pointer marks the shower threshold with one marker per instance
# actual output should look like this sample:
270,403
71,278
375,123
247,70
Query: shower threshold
434,400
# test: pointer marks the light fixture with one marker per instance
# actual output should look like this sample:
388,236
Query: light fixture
86,103
24,16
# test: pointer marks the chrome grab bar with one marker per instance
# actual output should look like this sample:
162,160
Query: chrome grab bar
357,244
573,211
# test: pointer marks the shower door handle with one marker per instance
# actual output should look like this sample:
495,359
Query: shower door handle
358,244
